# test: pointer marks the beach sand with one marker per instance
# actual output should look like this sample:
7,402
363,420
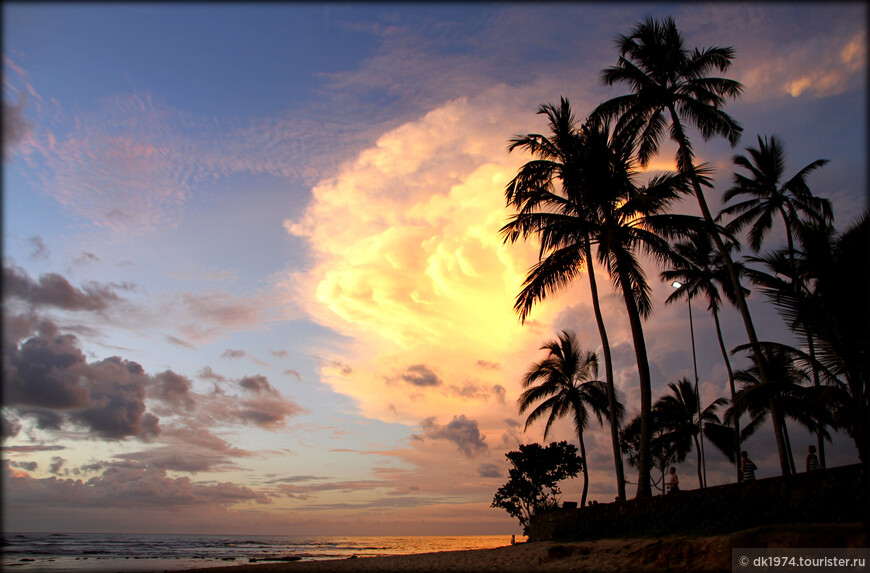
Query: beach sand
677,553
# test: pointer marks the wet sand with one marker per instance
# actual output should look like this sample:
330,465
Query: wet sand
677,553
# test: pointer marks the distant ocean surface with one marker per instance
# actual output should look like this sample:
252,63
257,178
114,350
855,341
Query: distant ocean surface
80,552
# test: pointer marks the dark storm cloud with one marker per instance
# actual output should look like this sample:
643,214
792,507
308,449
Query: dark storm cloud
49,373
45,419
54,290
9,428
420,375
461,431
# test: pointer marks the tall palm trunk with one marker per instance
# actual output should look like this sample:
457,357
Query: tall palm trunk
733,392
688,169
701,483
585,470
644,458
819,439
608,375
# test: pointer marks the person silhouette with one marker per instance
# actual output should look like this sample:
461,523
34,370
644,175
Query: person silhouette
812,460
673,481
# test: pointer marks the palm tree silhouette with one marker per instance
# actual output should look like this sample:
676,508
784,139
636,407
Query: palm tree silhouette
621,220
783,394
831,310
559,218
678,411
769,197
670,85
699,269
566,385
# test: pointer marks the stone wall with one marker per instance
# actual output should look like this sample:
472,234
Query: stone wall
837,495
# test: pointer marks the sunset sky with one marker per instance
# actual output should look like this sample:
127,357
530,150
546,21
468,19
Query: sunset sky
253,278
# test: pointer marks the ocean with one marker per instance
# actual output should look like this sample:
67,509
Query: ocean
99,552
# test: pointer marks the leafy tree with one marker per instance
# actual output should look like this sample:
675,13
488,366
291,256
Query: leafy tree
534,477
564,384
548,193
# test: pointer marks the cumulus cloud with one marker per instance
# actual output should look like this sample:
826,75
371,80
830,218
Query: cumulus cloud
461,431
174,390
54,290
409,265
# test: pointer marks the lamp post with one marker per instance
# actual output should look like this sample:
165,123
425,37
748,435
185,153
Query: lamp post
678,284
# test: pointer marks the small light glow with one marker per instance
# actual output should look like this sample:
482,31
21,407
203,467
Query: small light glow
676,284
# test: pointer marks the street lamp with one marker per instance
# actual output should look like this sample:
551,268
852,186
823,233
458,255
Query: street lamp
678,284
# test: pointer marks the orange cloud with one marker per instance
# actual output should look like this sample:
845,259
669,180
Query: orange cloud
411,267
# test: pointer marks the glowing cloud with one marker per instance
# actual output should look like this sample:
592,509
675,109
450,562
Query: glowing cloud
411,266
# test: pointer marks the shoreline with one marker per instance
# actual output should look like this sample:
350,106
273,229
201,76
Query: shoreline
680,553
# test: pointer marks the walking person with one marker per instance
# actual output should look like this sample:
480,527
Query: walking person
747,468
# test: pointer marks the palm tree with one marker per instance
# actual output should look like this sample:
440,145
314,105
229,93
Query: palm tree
559,217
666,447
699,269
783,394
566,385
769,197
679,413
621,220
832,311
670,85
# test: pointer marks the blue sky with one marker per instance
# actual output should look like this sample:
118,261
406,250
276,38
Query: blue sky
286,215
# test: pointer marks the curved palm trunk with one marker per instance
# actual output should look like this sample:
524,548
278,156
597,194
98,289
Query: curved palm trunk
608,376
733,391
688,167
644,488
585,470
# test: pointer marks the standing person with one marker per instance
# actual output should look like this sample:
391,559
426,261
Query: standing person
812,460
673,481
747,468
